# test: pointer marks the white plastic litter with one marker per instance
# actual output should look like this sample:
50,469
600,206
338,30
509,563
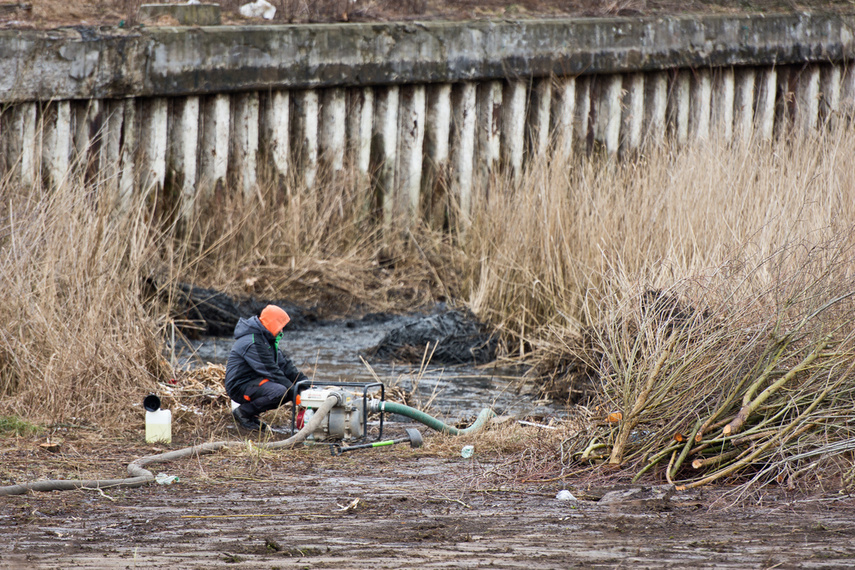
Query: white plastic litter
258,9
164,479
565,495
467,451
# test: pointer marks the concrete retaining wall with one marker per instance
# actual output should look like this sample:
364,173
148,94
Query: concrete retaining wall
191,108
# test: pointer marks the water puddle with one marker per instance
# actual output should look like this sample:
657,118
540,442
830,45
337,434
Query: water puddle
330,353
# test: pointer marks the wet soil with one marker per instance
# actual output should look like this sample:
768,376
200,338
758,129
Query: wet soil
404,508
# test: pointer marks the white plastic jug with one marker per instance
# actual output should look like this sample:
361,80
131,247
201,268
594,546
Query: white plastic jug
158,426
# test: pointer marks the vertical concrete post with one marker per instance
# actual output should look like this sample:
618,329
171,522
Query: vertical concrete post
656,107
360,122
847,93
245,140
785,100
306,109
109,155
464,98
488,153
807,100
185,150
216,134
277,125
830,87
723,97
513,126
333,130
87,134
128,162
25,127
59,143
633,111
437,151
765,113
680,103
583,113
538,123
608,112
385,147
701,105
744,104
564,115
411,137
154,121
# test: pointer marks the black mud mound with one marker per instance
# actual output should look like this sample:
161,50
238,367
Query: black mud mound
455,337
211,312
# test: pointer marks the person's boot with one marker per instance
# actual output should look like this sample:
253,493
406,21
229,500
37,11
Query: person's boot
244,420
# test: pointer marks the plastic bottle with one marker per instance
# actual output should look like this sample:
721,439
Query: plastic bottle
158,426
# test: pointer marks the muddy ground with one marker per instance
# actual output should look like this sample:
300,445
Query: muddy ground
394,508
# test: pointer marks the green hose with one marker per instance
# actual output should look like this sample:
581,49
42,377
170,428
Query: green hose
430,421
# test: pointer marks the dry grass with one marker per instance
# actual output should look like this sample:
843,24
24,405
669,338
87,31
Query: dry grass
685,285
676,279
79,334
53,13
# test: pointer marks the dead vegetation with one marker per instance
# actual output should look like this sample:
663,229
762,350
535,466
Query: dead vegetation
47,14
696,291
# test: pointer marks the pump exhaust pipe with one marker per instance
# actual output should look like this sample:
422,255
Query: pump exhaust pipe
413,436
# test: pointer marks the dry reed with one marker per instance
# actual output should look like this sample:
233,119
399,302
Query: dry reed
690,281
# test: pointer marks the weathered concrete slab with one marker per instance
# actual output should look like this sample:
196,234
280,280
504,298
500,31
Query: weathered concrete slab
98,63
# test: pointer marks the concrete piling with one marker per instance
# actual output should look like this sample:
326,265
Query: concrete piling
333,129
513,126
463,101
423,112
633,112
744,104
216,133
411,136
564,116
184,153
489,124
656,107
385,147
277,127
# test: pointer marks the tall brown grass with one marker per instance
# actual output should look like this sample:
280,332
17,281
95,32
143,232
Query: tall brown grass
80,331
572,247
545,253
687,284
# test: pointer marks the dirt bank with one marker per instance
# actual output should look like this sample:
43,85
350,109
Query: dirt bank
47,14
401,508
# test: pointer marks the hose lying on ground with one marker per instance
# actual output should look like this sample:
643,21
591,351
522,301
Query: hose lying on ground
430,421
139,476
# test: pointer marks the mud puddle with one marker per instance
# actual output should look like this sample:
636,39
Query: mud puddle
330,353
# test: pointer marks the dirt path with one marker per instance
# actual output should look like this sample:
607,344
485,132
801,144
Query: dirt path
394,508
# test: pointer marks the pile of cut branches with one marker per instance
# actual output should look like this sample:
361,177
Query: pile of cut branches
754,391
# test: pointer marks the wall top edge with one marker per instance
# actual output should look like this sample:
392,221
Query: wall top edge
84,63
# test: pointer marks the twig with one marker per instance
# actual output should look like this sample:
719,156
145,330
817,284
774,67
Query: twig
737,423
670,465
100,492
631,420
444,498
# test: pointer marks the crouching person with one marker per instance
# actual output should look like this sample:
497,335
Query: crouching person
258,375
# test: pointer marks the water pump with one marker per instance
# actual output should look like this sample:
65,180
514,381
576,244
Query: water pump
346,421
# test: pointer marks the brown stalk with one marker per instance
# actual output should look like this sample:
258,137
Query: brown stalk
734,426
631,421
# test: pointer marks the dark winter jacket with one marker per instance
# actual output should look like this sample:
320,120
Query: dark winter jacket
254,357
